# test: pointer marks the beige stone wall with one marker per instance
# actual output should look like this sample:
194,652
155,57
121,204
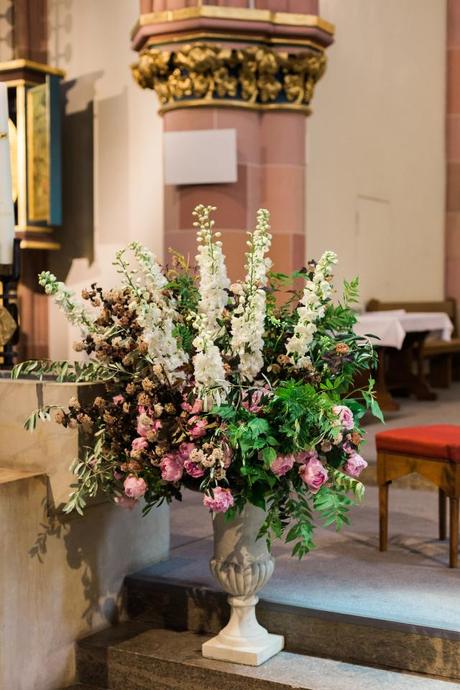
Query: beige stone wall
375,161
60,576
113,189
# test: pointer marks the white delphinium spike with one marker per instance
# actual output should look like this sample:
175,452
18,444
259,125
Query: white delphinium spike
213,280
65,299
156,314
317,292
248,319
209,371
153,275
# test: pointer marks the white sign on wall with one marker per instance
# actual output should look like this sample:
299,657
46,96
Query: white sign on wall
203,156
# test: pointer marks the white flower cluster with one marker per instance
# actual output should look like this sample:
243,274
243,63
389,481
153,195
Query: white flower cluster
214,282
158,321
208,366
158,316
65,299
248,321
153,274
313,306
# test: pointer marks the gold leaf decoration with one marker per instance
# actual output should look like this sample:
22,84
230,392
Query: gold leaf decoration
210,74
7,326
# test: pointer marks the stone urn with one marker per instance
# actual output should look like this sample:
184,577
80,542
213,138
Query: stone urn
242,565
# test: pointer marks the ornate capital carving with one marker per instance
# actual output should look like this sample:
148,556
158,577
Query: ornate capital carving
209,74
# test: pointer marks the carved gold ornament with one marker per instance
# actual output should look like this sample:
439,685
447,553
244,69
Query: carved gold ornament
7,326
209,74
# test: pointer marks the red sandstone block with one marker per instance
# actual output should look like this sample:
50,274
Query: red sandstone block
284,195
453,80
283,138
189,119
453,187
303,6
273,5
453,24
453,236
453,138
247,125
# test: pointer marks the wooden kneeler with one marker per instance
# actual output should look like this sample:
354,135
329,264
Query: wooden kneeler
434,453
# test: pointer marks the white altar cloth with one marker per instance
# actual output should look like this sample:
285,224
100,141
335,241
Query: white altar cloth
390,327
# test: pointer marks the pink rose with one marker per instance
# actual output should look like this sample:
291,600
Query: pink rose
197,427
348,448
345,416
125,502
314,474
196,408
118,399
282,464
139,443
135,487
306,455
185,449
354,465
172,468
220,502
254,404
193,469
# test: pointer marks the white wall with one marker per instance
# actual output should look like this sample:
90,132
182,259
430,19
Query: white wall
375,190
90,40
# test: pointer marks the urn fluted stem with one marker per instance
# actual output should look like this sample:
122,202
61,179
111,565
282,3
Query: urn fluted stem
242,565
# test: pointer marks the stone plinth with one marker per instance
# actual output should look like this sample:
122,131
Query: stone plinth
61,576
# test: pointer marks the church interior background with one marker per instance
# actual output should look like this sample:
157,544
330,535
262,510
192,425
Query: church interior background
342,118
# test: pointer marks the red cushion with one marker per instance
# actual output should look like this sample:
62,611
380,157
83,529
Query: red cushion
436,441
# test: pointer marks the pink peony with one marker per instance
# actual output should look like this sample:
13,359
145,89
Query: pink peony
282,464
135,487
197,427
125,502
314,474
118,399
220,502
172,468
345,416
306,455
139,443
354,465
184,450
193,469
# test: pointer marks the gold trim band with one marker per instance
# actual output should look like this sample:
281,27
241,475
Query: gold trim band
157,41
31,65
237,14
219,103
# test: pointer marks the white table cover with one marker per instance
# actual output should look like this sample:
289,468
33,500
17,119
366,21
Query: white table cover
390,327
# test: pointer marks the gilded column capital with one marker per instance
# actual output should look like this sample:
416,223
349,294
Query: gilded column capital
210,74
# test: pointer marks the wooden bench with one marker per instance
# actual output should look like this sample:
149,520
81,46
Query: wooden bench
441,354
434,453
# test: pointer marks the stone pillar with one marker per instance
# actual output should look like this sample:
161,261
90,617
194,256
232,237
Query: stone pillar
453,151
253,69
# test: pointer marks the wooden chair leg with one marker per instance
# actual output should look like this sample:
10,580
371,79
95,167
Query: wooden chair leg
383,515
453,532
442,515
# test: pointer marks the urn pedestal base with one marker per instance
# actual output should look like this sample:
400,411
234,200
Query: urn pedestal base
243,640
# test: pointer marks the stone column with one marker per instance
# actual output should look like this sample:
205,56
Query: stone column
453,152
248,66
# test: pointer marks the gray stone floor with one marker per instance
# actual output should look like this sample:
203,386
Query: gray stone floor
346,573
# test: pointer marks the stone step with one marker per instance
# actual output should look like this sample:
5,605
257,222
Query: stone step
130,657
163,602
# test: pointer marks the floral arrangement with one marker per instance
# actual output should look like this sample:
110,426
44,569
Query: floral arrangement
242,391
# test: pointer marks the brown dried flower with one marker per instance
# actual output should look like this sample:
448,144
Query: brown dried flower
342,349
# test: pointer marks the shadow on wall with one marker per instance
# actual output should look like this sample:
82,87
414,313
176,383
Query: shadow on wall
77,232
83,554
